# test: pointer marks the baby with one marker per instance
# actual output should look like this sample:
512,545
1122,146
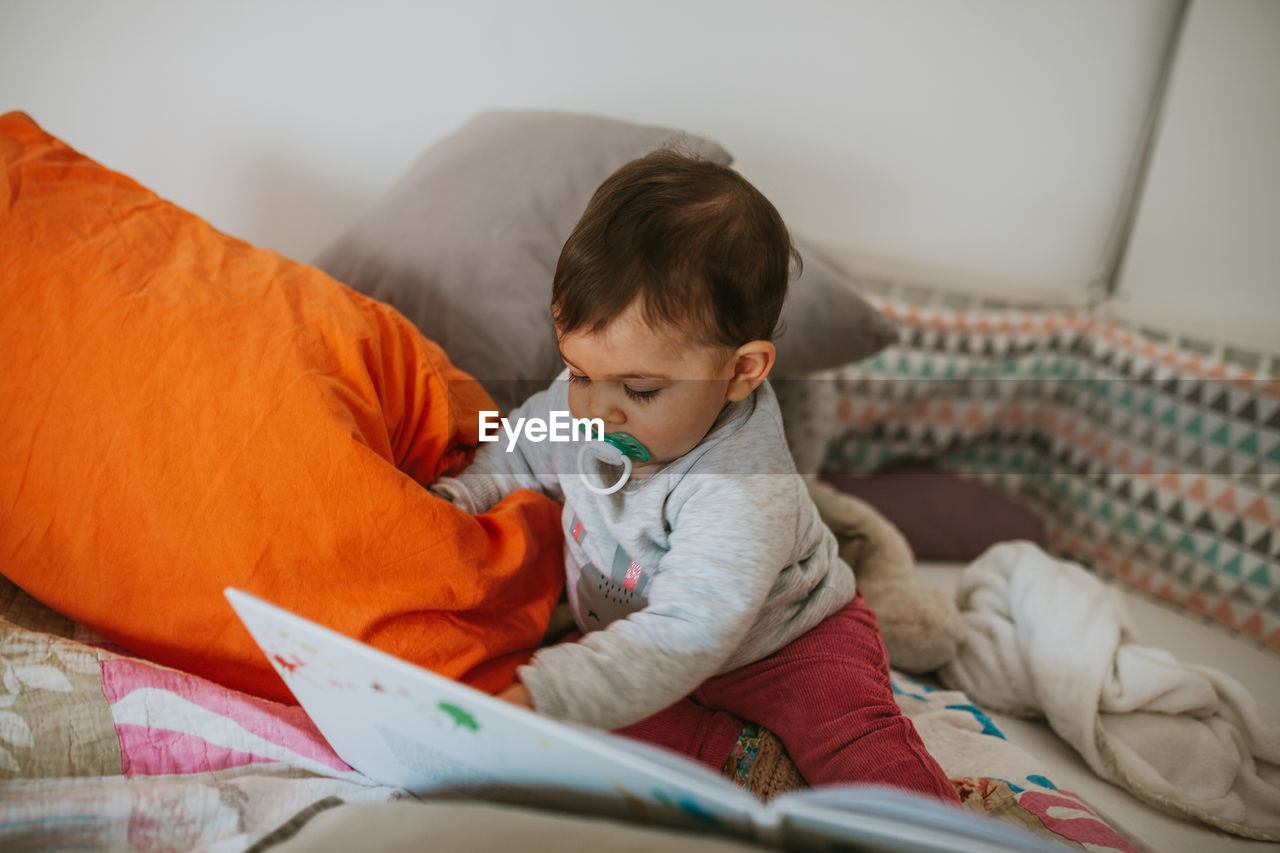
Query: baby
696,562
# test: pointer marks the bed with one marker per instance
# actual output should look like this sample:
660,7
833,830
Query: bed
149,463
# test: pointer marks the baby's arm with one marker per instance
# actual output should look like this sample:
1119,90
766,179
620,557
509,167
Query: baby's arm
500,467
727,548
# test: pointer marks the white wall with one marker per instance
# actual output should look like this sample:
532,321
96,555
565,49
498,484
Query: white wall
988,137
1205,252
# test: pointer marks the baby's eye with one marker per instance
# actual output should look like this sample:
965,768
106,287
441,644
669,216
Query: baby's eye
641,396
578,379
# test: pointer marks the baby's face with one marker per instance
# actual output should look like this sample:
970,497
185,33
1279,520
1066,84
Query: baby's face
649,383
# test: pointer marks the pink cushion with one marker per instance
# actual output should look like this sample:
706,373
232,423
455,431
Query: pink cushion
943,516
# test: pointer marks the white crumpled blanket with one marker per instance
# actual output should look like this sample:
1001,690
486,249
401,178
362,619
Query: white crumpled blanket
1046,638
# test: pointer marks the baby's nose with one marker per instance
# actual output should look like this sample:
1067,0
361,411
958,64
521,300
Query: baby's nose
604,404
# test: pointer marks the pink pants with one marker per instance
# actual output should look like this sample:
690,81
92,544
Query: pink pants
826,695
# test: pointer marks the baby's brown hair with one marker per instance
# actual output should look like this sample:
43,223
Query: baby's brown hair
691,239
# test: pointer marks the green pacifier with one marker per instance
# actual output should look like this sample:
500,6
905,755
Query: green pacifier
626,443
617,449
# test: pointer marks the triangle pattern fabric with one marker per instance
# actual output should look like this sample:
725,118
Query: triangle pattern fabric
1159,465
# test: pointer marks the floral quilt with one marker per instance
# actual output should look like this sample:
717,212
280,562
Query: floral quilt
102,750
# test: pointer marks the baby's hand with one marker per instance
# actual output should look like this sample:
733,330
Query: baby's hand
517,695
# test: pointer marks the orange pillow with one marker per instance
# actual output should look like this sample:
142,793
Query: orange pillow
181,412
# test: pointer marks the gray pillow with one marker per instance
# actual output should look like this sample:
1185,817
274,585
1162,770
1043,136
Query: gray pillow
466,242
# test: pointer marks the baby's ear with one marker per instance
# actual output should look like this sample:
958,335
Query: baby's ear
751,365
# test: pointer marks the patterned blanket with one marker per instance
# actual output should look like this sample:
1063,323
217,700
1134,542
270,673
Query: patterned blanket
101,750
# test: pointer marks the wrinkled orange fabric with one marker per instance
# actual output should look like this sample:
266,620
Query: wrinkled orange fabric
181,412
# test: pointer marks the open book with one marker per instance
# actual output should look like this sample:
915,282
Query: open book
404,726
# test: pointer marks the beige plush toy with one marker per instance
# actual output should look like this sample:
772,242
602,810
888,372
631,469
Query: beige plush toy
921,626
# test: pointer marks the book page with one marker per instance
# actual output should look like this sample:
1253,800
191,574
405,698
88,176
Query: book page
402,725
883,818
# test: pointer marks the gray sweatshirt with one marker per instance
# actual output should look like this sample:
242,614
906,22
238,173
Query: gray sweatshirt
713,561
